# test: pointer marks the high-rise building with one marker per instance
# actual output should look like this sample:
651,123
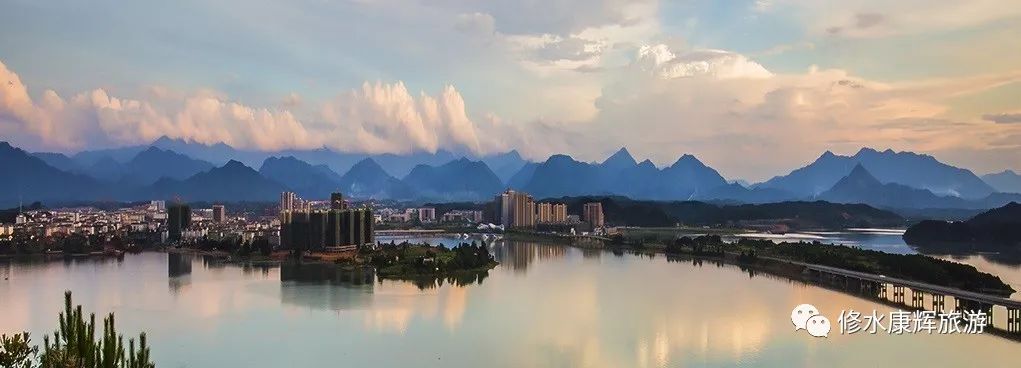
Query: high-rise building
219,214
305,229
288,201
426,214
337,202
544,213
559,213
158,206
593,214
178,220
551,213
515,209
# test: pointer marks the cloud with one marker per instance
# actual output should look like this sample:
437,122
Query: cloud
475,23
868,20
382,118
880,18
561,17
661,61
1004,118
733,113
570,49
377,118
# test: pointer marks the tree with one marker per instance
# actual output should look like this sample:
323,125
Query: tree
16,351
74,343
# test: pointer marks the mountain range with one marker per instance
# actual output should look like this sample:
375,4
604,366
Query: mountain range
620,174
220,153
907,168
170,167
1005,181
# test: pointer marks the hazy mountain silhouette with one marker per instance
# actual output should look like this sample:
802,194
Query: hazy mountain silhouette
691,178
59,161
524,175
152,164
505,165
1005,181
28,178
561,176
106,169
619,174
231,182
906,168
851,178
461,179
367,179
861,187
619,161
304,179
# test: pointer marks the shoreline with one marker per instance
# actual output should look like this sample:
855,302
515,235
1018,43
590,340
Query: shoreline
726,256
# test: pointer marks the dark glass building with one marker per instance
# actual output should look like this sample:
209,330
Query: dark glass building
321,230
178,220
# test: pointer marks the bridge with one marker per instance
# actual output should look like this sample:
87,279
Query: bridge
876,286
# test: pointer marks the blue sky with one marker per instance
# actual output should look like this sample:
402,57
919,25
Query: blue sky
750,87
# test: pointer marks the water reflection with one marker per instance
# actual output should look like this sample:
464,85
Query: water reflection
562,308
179,264
178,271
517,255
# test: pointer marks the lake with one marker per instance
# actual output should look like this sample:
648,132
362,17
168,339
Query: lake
545,305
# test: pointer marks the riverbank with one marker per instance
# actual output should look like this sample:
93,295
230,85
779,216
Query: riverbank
763,253
62,255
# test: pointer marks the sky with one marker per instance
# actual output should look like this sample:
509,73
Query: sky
752,88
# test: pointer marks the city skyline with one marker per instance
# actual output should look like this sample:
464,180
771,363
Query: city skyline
752,88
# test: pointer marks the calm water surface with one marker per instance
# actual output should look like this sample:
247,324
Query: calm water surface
544,306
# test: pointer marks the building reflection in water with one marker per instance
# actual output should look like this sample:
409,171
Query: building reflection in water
326,286
179,264
518,255
178,271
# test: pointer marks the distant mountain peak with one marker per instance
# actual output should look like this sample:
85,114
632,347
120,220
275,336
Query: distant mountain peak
560,158
367,162
235,164
859,172
620,160
865,151
688,160
164,140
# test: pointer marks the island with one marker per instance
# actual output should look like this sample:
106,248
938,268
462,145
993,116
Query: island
998,229
411,261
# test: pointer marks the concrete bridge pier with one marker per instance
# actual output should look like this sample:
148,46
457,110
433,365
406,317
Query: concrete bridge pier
917,299
1014,320
898,294
938,303
965,305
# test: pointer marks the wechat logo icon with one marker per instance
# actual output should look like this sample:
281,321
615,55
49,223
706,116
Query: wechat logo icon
806,317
